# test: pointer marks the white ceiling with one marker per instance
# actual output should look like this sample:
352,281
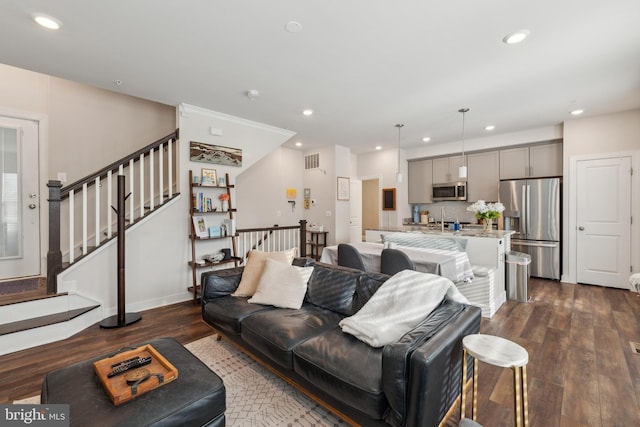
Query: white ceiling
361,65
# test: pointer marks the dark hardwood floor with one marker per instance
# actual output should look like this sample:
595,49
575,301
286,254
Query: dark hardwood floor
581,371
22,372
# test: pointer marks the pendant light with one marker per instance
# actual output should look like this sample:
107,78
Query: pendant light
398,173
462,170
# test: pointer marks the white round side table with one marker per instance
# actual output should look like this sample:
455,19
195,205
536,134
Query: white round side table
500,352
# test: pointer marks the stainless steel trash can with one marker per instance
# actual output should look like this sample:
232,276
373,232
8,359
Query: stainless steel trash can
518,276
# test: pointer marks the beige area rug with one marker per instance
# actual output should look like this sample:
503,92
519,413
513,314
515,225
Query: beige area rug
255,396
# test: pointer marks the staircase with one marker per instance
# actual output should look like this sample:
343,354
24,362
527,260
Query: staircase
81,222
43,319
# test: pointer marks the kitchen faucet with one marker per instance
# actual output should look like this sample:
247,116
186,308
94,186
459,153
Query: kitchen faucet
442,214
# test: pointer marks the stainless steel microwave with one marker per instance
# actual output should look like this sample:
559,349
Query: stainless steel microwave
449,191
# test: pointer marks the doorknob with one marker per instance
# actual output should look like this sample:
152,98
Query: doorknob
581,228
32,205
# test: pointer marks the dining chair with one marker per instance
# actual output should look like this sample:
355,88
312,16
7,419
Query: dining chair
393,261
348,256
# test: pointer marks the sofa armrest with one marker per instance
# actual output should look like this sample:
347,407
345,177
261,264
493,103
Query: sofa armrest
220,283
436,370
395,357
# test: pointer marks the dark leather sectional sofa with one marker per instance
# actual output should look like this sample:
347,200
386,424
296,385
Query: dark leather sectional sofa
412,382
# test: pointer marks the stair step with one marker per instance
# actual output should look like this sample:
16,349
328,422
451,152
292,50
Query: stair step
32,323
49,319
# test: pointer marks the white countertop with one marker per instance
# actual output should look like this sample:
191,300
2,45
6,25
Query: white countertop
470,232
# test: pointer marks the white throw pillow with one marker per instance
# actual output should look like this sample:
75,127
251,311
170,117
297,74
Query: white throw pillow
254,267
282,285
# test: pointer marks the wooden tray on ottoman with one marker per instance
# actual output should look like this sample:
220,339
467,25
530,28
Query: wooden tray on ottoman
162,372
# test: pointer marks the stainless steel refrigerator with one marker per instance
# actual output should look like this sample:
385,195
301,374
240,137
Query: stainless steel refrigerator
532,210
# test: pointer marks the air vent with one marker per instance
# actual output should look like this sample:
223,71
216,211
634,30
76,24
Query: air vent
312,161
635,347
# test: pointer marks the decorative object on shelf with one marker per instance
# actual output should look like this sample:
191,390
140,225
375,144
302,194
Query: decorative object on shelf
215,232
398,173
208,153
222,181
209,178
462,170
486,212
200,226
224,198
213,257
343,188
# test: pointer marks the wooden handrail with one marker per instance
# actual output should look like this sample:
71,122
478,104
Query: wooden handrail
268,231
59,194
90,179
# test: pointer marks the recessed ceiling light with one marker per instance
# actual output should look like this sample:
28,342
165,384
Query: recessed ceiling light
489,127
516,36
426,139
298,144
378,147
307,112
47,22
293,27
577,112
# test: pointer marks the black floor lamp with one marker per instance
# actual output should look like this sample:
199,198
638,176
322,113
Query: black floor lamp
121,319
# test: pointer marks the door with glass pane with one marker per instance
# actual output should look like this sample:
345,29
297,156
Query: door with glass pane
20,199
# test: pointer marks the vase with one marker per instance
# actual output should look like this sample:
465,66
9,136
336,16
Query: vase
487,224
225,205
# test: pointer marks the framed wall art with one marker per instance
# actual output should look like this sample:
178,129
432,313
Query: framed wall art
209,177
388,199
209,153
343,188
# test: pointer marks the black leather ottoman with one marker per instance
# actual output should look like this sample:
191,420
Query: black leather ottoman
195,398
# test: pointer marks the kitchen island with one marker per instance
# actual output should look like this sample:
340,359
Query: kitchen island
486,251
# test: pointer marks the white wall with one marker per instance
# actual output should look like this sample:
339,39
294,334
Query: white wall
383,165
261,190
600,136
322,183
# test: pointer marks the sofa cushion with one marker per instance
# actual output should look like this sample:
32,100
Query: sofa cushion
255,266
227,313
282,285
276,332
333,287
367,285
220,283
345,368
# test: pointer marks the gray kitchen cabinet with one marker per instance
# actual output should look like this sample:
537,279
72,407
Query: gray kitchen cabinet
546,160
534,161
420,181
483,176
445,169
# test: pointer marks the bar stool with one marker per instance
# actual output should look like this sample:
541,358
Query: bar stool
500,352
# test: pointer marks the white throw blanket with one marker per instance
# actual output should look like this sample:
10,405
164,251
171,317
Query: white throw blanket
398,306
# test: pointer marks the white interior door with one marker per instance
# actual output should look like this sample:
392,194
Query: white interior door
355,211
20,198
604,221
